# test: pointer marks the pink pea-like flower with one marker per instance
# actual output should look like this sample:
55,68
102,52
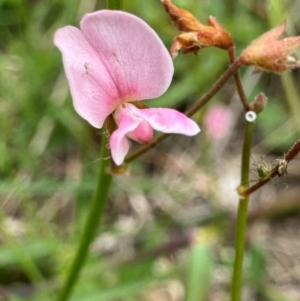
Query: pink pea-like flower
218,122
113,60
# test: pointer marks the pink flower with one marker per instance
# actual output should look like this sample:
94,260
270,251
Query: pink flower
218,122
113,60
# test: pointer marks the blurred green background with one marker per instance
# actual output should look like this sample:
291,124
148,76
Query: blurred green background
169,224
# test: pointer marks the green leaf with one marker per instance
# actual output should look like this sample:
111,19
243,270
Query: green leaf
200,270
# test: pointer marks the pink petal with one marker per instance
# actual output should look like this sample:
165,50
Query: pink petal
93,91
138,62
170,121
143,133
119,144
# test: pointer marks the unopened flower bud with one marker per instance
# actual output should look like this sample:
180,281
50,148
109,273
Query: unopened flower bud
267,53
259,103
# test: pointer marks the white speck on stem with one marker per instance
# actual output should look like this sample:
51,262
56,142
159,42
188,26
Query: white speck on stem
250,116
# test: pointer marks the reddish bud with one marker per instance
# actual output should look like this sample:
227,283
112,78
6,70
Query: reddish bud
196,35
259,103
267,53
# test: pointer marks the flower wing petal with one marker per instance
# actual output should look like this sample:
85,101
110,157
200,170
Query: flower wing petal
136,58
144,132
93,91
170,121
119,144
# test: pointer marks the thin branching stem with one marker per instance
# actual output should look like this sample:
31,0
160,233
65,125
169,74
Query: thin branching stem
238,82
289,156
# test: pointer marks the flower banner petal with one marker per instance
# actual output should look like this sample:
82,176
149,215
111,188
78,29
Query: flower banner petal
136,58
93,90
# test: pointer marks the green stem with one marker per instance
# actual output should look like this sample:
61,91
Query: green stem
94,217
114,4
241,226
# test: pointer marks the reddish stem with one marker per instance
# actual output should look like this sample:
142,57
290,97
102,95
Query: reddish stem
238,82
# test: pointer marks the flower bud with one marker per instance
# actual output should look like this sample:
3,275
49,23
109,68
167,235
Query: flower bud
259,103
195,34
267,53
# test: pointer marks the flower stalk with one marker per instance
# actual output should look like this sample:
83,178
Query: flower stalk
93,219
238,82
241,225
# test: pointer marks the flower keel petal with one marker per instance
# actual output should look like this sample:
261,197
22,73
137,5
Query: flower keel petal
170,121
